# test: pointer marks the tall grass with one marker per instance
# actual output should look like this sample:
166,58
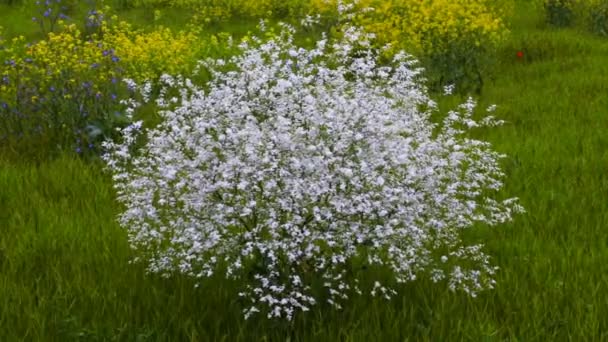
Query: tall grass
65,276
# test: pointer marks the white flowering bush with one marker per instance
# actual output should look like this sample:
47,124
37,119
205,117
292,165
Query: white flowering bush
298,164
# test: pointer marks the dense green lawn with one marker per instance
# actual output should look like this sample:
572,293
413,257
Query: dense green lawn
64,271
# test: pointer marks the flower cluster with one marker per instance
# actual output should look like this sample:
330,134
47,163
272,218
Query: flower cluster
451,37
50,13
418,21
60,92
95,19
146,55
297,165
65,91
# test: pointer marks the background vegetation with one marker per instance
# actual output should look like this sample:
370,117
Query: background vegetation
65,276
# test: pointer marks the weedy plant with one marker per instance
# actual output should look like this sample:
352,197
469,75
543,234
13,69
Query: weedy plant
60,93
147,55
454,39
299,171
65,91
598,17
592,14
50,12
560,13
221,10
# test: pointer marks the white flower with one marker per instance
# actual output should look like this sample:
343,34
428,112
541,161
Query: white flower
448,89
309,20
301,169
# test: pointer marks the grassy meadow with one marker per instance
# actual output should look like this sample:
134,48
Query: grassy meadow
64,260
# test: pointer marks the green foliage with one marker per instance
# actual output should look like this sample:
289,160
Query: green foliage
61,93
592,14
560,13
64,91
598,18
455,39
462,64
221,10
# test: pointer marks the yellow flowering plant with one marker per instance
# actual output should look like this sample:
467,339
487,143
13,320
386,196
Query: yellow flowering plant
453,38
147,55
60,93
65,90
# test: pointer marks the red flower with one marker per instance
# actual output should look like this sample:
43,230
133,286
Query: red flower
520,54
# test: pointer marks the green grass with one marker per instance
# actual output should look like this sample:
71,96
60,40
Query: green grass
16,20
65,276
